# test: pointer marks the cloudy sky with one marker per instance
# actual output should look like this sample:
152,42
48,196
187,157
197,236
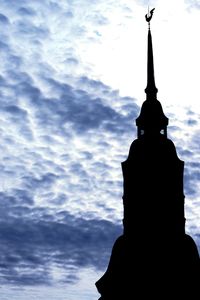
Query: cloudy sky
72,79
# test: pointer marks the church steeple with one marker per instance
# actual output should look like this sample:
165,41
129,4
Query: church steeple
154,248
151,89
151,119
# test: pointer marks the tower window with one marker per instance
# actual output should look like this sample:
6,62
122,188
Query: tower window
162,131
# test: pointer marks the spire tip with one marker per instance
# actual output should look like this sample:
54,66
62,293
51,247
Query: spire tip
149,15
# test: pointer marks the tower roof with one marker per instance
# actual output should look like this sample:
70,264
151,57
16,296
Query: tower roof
151,115
151,89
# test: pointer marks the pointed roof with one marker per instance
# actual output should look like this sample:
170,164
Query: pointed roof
151,116
151,89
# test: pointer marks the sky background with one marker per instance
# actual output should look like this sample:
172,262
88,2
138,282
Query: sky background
72,80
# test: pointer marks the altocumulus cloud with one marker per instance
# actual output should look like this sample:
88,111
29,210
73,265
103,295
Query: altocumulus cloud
34,242
55,132
185,133
193,4
49,158
63,137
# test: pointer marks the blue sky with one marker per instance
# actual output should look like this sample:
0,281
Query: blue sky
72,79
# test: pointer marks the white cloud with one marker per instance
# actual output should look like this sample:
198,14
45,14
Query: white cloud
65,125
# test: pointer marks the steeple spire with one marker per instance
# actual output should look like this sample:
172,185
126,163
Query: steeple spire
151,90
151,119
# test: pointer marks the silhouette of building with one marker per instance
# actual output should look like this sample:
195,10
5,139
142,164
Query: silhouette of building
154,257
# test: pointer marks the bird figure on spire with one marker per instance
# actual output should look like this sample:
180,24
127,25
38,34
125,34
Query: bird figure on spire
149,15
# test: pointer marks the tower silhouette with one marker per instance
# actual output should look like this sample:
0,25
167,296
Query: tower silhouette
154,257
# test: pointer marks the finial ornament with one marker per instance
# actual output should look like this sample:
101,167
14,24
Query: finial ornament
149,16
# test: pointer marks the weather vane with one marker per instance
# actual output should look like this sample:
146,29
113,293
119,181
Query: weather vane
149,15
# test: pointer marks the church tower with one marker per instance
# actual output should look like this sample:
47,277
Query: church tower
154,257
